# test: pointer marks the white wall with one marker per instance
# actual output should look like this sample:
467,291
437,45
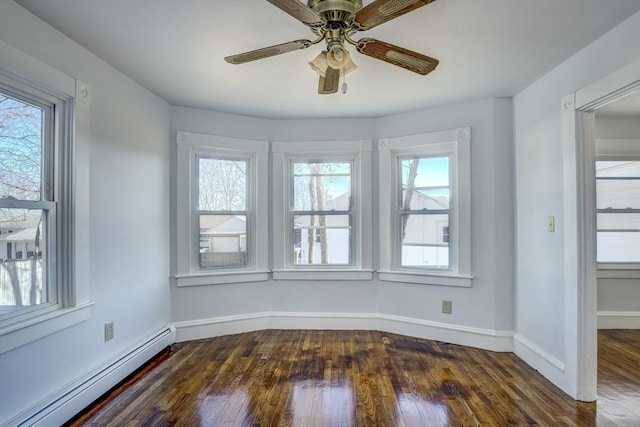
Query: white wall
542,313
487,305
129,220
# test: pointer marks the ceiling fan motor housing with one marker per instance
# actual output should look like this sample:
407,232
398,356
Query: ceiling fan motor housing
335,10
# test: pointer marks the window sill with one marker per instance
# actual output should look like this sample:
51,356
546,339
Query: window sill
186,280
322,275
613,271
426,278
24,332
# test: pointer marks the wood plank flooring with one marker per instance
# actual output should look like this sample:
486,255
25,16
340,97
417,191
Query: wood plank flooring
366,378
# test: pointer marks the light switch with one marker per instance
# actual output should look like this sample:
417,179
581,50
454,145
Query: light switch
551,224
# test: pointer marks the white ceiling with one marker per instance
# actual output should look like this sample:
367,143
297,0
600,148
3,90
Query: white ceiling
175,48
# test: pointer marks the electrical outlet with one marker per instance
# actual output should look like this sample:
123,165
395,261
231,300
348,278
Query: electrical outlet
446,306
108,331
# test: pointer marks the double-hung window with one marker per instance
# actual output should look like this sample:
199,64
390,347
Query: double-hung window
222,218
425,204
43,287
322,204
618,211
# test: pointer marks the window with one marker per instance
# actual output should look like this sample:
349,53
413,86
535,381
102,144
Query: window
424,211
27,206
425,201
222,220
618,211
222,212
43,278
321,214
323,206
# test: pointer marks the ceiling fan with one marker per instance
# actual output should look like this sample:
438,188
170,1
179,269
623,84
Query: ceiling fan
335,21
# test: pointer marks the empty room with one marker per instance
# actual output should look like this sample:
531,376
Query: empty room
319,213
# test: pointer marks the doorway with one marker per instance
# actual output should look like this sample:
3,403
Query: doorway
581,274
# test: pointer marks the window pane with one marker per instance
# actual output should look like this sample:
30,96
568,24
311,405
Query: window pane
425,183
618,169
321,186
425,241
20,149
618,221
618,194
223,241
322,239
222,185
618,246
22,244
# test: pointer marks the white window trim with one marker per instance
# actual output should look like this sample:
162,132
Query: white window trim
457,142
189,146
359,152
74,305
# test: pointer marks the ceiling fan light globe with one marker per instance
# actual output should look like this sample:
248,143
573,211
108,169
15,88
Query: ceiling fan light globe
319,64
348,67
338,57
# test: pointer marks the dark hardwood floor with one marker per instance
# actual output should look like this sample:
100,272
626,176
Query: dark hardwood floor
366,378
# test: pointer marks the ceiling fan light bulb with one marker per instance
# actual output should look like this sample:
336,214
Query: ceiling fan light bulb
338,57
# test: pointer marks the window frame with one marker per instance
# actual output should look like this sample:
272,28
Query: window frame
358,153
190,148
66,153
455,144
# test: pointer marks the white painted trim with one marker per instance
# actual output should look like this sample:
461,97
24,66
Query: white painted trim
332,321
580,270
35,328
219,326
618,319
322,274
185,280
486,339
456,334
60,406
618,272
426,278
545,363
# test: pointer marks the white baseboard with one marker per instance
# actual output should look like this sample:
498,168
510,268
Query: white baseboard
455,334
486,339
619,320
219,326
80,393
543,362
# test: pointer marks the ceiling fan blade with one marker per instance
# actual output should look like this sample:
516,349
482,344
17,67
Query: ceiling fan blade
330,82
381,11
298,10
396,55
266,52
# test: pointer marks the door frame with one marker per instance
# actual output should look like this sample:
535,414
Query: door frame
578,139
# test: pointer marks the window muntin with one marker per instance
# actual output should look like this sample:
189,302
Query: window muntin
321,213
222,212
27,208
618,211
423,214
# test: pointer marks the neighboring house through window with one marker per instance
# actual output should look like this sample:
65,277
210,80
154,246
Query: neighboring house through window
618,211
